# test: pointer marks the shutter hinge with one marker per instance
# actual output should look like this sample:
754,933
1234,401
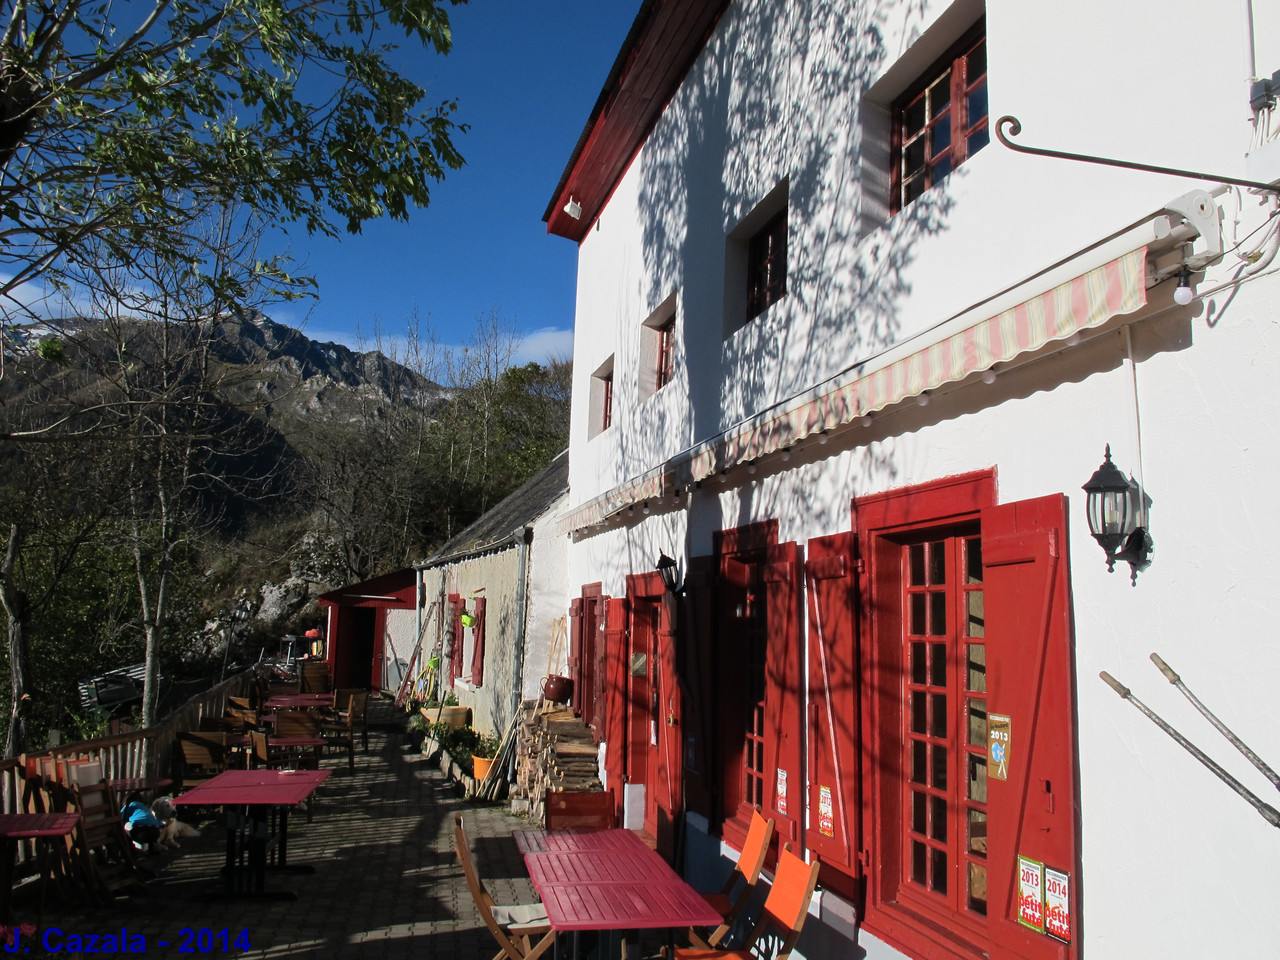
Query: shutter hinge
864,858
859,565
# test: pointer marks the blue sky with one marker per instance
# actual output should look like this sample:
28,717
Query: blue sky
526,76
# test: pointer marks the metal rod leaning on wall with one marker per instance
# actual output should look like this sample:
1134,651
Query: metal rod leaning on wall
1268,812
1218,724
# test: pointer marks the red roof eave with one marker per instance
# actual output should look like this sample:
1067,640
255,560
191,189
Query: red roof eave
664,41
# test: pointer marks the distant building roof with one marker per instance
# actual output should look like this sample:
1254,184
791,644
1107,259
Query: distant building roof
506,522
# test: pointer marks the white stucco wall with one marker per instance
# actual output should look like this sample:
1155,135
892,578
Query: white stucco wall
548,597
398,640
1174,863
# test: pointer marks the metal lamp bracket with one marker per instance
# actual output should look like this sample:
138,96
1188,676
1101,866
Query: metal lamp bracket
1205,217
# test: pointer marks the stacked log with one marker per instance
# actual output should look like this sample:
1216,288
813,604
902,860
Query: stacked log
555,751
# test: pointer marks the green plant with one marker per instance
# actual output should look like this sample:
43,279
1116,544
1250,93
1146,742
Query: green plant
462,743
416,725
486,747
450,700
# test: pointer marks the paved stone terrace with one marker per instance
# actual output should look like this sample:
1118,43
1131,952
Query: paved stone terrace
386,881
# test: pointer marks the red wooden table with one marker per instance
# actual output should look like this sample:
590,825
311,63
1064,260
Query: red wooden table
609,880
259,792
44,827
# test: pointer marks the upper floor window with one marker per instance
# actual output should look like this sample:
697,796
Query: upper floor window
657,365
601,399
941,120
666,353
767,265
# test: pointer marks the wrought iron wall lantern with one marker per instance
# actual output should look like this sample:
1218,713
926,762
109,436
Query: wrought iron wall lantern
669,571
1117,510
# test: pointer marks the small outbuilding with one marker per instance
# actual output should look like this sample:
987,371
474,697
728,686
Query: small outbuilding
372,627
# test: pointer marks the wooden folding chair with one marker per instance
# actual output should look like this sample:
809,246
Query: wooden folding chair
340,731
745,873
580,810
785,909
204,755
314,677
514,927
105,851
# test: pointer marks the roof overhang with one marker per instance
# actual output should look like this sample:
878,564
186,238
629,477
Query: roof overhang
664,41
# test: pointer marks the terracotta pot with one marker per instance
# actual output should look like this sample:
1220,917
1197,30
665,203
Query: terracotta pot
480,766
557,689
455,717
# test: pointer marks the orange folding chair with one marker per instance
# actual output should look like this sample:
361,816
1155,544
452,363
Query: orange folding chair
514,927
784,911
745,873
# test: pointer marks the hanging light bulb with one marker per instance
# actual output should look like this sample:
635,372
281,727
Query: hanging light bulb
1183,294
989,375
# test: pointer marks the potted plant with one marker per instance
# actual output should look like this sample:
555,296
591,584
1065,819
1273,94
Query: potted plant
452,714
483,755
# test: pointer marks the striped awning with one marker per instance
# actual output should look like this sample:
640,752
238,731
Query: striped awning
651,486
937,357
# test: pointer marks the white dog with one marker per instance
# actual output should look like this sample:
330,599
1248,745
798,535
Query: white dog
171,828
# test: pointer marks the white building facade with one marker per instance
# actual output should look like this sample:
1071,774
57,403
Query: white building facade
849,360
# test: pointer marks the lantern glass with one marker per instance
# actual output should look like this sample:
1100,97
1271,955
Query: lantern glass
1111,506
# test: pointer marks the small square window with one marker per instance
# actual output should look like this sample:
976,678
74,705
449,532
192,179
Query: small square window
941,119
657,363
767,265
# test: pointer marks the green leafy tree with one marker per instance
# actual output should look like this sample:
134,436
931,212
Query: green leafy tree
121,123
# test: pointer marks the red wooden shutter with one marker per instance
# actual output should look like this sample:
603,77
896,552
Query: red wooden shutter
1030,679
834,779
615,642
455,639
575,657
783,769
477,649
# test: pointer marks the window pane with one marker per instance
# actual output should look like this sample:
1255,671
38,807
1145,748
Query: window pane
937,564
976,622
918,607
940,93
939,878
919,669
938,614
919,860
918,761
977,778
978,667
977,105
973,560
913,190
940,169
978,888
938,664
978,139
977,723
977,62
919,812
938,822
914,118
938,702
940,139
913,156
915,562
918,723
939,755
978,832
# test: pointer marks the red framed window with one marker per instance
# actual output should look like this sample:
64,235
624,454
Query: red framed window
941,120
944,726
666,354
966,610
767,265
477,644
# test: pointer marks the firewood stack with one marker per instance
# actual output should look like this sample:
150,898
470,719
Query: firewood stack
555,752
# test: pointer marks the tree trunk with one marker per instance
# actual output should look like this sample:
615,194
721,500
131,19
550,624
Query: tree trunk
16,608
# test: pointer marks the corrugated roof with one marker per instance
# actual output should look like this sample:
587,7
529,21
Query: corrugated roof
506,521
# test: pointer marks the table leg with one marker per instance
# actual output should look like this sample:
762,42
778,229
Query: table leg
9,855
231,868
